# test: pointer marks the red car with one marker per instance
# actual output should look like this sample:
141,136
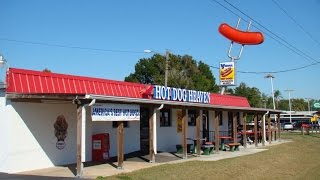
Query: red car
306,125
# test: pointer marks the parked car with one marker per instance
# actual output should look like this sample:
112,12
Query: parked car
287,126
298,124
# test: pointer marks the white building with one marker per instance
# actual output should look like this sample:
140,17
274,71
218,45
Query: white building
46,118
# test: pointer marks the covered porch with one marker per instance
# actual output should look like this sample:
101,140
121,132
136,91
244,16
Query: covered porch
80,93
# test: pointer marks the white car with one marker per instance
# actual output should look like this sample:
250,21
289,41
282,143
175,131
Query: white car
287,126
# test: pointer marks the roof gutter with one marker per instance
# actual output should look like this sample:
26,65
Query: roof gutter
264,126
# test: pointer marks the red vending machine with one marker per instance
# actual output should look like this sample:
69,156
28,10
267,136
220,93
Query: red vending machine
100,147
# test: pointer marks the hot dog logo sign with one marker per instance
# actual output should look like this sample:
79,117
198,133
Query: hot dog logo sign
227,73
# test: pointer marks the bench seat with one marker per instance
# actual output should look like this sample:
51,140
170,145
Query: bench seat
233,146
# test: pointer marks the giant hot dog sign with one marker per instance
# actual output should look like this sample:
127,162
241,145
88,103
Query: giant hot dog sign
227,75
227,69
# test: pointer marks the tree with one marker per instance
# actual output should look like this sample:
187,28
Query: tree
252,94
277,96
299,105
46,70
183,72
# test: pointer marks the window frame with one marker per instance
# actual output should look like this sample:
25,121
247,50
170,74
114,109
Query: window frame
192,117
220,116
166,121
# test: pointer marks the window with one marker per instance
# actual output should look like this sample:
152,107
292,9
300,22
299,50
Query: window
165,117
230,124
115,124
192,115
220,118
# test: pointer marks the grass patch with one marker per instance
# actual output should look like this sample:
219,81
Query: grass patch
297,160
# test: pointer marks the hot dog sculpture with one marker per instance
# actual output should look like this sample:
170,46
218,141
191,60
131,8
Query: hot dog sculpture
227,69
241,37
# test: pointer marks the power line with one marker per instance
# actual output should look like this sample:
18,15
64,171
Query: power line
299,25
274,72
287,45
67,46
285,41
272,35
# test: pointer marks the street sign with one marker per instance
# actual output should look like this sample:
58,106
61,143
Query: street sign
316,105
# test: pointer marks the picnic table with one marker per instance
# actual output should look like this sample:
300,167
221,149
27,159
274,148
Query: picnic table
207,149
223,147
194,148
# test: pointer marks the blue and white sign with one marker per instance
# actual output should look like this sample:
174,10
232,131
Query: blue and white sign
115,112
178,94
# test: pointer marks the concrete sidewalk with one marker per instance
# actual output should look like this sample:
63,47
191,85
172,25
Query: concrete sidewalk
132,163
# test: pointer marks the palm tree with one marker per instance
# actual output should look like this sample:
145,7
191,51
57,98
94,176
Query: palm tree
277,97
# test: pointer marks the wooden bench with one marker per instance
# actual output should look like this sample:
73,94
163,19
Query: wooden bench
233,146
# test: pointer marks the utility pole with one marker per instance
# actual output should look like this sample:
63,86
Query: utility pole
272,91
289,91
308,99
166,70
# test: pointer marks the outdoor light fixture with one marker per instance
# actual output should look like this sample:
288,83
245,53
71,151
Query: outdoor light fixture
2,61
167,61
289,91
271,77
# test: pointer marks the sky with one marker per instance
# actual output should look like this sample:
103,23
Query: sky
105,39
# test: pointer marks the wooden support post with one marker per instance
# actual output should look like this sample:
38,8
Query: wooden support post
198,124
279,126
79,141
263,130
216,131
151,149
255,130
235,125
184,132
120,144
269,129
244,124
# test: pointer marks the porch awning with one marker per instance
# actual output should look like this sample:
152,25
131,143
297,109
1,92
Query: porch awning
181,104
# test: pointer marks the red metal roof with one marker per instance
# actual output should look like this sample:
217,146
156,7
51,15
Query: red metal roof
22,81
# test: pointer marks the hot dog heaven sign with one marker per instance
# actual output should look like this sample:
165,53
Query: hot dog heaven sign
227,74
178,94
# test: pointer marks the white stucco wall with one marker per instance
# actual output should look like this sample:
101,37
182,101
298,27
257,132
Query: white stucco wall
168,137
4,133
224,126
131,136
32,140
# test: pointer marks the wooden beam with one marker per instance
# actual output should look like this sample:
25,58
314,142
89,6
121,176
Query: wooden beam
269,129
263,132
255,117
120,144
279,130
198,124
151,149
244,121
216,131
184,132
79,142
235,124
